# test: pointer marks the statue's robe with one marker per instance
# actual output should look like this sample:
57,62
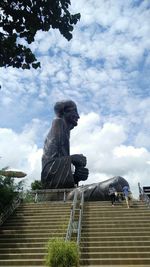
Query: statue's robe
56,160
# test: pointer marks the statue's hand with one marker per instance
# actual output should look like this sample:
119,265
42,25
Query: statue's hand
78,160
81,174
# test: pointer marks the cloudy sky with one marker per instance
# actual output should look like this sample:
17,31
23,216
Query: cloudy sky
105,69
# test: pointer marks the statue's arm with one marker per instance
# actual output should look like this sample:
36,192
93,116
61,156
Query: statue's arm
54,140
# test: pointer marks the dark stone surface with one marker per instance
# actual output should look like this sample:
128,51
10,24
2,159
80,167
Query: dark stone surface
99,191
56,159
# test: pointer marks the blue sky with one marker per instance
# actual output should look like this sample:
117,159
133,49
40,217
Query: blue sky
105,69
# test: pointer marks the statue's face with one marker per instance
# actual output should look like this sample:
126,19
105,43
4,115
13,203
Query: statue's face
71,115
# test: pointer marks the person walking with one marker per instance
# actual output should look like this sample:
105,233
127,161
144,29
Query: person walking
126,192
111,193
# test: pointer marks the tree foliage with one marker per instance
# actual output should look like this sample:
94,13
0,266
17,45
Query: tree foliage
21,19
8,190
36,185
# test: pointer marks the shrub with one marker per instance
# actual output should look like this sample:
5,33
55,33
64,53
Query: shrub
61,253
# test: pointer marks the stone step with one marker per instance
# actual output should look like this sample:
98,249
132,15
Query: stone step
45,204
118,261
113,227
118,220
30,235
115,248
119,213
116,233
112,265
24,231
120,243
25,250
115,238
30,227
41,213
18,245
36,220
115,223
107,204
26,256
22,262
25,239
114,254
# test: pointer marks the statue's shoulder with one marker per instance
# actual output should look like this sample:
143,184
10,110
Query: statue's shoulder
57,122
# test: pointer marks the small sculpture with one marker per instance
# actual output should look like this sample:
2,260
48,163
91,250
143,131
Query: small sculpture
56,160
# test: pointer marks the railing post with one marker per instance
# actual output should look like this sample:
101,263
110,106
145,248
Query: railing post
64,196
36,198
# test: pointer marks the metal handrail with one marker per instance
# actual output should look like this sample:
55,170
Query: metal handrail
80,218
36,194
144,196
71,220
9,210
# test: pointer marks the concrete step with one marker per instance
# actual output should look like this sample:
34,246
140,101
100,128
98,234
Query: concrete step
116,233
23,250
121,243
112,265
36,220
32,231
115,238
26,239
114,255
116,261
35,223
116,220
34,227
115,248
112,212
44,213
30,235
22,245
22,262
26,256
111,227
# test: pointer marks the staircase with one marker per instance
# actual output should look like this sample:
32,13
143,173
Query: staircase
115,236
24,236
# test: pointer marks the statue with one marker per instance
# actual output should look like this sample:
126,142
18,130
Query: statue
56,160
99,191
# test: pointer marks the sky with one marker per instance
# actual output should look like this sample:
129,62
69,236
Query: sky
105,69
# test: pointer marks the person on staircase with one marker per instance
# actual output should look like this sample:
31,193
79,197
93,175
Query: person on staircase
112,194
126,193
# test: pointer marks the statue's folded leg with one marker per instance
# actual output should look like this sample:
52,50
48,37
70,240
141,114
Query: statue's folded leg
57,174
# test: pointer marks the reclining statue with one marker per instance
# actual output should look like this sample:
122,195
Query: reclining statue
99,191
56,160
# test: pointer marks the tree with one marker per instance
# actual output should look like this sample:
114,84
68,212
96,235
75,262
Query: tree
8,190
22,19
36,185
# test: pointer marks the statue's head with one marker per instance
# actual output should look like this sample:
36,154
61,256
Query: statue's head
67,109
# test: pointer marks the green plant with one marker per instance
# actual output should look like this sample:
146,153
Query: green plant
36,185
8,190
61,253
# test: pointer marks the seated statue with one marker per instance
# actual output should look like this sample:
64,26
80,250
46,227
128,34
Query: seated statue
99,191
56,160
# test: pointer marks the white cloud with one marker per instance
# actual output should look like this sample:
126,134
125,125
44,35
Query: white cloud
18,151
